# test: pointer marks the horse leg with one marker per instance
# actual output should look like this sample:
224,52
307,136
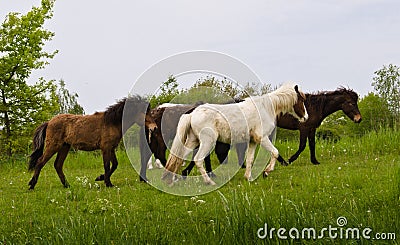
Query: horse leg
303,141
240,152
188,169
311,141
107,170
207,161
190,144
145,154
222,150
59,162
251,149
114,162
150,163
282,161
50,151
267,144
204,150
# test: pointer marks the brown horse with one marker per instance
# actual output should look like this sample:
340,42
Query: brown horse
102,130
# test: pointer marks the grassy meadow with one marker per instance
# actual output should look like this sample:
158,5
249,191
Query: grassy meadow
359,179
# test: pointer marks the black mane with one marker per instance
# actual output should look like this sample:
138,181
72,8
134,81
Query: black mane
320,97
114,113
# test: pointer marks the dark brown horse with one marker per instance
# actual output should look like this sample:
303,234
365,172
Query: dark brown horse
319,106
166,118
102,130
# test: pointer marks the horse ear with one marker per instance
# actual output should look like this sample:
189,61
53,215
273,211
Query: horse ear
296,88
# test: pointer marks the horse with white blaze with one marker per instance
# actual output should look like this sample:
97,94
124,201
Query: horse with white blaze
250,121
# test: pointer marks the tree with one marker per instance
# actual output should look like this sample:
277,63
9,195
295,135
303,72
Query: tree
387,84
209,90
168,90
22,106
375,113
68,102
252,89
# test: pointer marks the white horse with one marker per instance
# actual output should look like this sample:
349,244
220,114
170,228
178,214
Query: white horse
251,121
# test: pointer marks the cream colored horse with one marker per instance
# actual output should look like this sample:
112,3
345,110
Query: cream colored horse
251,121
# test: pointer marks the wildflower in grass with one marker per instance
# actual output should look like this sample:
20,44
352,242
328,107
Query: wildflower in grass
200,201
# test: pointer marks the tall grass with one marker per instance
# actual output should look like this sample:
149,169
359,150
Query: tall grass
358,179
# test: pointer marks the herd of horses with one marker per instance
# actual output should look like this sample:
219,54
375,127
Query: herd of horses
197,127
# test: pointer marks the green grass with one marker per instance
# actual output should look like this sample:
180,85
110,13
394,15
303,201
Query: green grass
358,179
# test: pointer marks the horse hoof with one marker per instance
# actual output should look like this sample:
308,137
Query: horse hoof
109,185
143,179
100,178
315,162
211,175
265,174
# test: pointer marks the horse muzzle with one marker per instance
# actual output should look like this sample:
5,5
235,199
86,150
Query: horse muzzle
152,127
304,119
357,118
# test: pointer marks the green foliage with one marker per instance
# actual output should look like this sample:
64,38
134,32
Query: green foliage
209,89
68,102
168,91
375,115
387,84
251,89
23,106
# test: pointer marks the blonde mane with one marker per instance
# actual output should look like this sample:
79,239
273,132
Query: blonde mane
283,99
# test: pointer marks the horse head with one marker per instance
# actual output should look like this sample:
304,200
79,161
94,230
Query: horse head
349,104
149,122
300,111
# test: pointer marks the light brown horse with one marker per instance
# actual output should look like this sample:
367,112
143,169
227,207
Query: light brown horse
102,130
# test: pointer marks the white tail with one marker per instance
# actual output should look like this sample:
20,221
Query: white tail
176,156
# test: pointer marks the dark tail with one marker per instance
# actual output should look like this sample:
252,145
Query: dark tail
38,145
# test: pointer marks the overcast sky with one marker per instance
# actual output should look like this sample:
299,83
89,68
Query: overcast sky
104,46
